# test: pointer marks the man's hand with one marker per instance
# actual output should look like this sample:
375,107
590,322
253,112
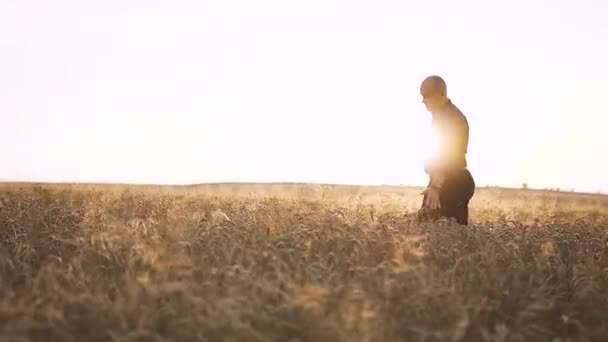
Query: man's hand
432,197
432,192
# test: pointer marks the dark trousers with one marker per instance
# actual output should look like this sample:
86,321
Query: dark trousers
454,196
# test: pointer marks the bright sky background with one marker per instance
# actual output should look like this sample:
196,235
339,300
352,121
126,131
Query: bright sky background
306,91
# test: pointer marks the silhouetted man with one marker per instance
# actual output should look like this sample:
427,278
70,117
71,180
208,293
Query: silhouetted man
451,185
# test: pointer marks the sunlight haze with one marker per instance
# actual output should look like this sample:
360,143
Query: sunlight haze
179,92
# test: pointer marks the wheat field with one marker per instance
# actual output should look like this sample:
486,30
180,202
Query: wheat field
296,262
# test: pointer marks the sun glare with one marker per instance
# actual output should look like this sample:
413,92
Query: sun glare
430,139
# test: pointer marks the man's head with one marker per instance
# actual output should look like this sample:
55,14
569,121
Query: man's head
434,93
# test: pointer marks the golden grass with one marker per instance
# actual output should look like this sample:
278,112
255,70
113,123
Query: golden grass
297,263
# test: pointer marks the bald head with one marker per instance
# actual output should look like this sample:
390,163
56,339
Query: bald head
434,93
433,86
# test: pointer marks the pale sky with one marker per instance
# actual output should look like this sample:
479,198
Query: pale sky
178,92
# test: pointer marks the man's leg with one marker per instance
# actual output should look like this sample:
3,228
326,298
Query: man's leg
469,182
458,211
455,196
469,191
448,197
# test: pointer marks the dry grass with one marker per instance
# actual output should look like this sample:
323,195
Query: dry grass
310,263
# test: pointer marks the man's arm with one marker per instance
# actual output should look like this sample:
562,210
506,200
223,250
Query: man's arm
452,150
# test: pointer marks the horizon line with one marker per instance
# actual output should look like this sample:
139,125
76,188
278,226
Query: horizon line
217,183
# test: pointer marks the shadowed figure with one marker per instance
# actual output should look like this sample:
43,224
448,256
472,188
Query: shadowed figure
451,186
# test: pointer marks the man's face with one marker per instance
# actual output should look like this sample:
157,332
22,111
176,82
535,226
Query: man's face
432,102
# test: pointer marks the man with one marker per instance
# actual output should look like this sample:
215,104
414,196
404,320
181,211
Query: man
451,185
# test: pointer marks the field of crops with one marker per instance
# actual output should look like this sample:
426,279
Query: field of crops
297,263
